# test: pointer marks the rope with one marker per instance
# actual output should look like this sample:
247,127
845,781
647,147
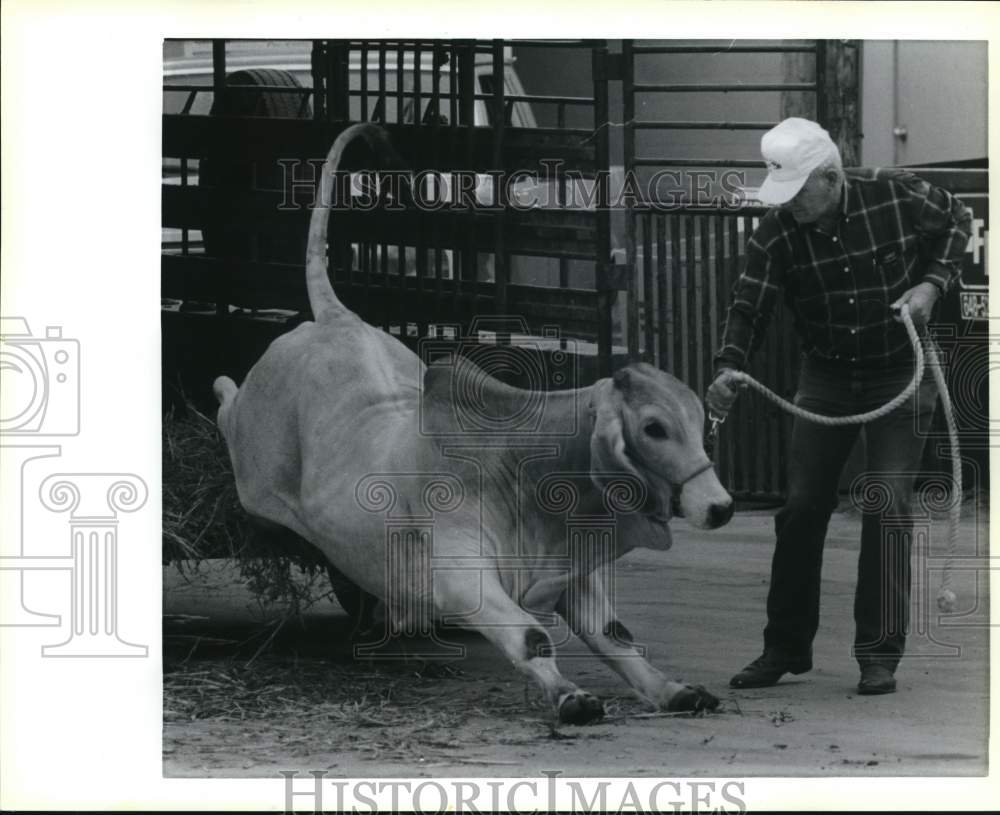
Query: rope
946,598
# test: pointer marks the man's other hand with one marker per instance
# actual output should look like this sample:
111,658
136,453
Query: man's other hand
723,392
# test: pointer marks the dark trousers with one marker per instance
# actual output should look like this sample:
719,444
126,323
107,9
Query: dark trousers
893,447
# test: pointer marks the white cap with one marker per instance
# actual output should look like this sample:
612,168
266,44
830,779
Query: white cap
792,150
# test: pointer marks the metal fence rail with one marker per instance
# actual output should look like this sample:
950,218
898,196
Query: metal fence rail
687,262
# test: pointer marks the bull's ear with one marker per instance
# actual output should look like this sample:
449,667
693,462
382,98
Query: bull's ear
607,440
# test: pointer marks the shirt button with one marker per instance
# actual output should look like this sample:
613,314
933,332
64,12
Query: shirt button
854,331
847,268
851,301
835,239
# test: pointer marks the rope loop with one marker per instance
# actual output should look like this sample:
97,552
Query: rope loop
946,598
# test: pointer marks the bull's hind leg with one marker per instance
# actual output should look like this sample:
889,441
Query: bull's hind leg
589,614
480,602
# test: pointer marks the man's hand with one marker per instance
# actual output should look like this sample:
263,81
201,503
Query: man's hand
723,392
921,299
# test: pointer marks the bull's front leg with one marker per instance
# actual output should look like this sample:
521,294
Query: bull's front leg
480,602
588,613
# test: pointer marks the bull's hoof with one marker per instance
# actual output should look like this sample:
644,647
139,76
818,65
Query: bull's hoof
693,699
580,707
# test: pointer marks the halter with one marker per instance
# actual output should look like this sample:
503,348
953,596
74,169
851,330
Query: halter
677,486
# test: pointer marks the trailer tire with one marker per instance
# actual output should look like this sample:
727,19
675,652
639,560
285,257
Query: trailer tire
232,179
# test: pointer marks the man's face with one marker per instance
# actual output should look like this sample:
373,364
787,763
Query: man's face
818,196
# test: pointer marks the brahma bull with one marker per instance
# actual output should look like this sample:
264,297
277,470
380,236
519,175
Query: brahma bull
337,405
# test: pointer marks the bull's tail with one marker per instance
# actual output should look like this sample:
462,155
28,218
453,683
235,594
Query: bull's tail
322,298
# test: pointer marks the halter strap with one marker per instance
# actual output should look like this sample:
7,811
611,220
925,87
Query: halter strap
678,485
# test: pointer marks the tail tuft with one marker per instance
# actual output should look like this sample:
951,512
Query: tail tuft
224,389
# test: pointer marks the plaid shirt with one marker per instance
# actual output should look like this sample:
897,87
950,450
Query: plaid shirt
893,231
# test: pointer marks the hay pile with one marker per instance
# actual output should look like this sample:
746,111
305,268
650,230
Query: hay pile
203,519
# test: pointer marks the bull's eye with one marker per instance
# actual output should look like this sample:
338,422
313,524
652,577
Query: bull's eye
655,430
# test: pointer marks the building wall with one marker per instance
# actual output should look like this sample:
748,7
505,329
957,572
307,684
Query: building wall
936,90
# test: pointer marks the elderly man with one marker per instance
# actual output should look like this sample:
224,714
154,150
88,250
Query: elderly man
845,249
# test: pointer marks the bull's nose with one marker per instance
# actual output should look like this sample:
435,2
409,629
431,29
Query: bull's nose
719,514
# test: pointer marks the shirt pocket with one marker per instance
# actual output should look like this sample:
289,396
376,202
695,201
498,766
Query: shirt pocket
891,270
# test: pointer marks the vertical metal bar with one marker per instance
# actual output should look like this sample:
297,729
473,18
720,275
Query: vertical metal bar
318,64
382,108
344,81
363,115
331,80
437,54
690,313
822,98
219,89
606,295
727,448
420,243
185,244
628,115
648,295
437,62
664,316
400,57
716,284
219,71
704,304
756,430
467,118
384,262
561,197
676,295
632,308
453,94
453,243
383,103
499,188
742,453
716,279
417,81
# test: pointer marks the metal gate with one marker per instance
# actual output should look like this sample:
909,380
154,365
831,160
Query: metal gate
244,134
685,240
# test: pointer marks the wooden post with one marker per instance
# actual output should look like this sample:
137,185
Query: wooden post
836,102
843,103
797,67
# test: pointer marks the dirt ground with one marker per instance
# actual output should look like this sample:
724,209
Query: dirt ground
234,710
